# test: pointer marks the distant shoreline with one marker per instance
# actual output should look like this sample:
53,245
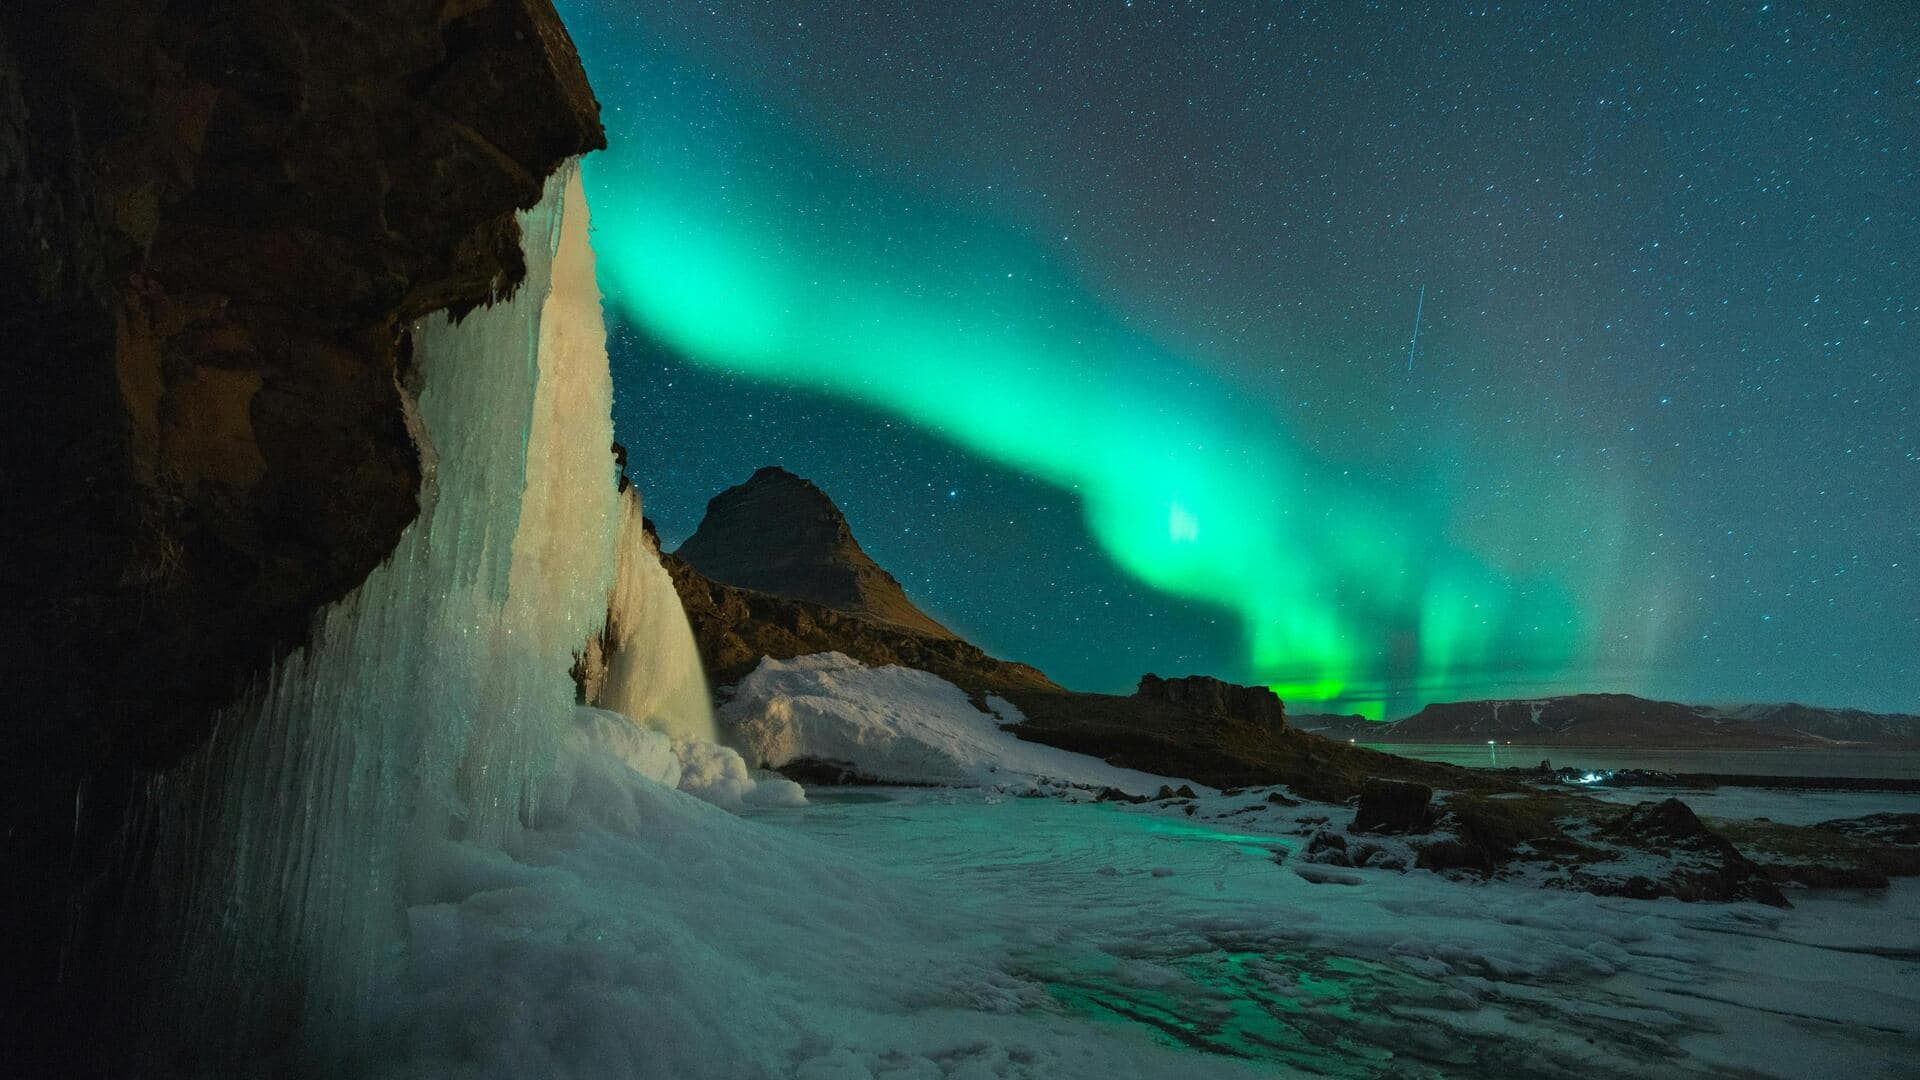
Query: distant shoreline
1748,780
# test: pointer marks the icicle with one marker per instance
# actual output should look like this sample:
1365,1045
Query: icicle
427,703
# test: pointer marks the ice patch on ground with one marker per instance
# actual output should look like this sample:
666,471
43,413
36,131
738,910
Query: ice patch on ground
898,725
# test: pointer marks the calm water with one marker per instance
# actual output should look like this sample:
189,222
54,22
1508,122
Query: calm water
1879,764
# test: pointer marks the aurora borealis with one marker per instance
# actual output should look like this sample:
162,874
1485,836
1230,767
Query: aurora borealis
1163,263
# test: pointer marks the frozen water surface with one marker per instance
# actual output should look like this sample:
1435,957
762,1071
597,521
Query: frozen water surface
1189,933
968,932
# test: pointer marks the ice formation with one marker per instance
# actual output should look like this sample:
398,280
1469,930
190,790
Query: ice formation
646,668
428,704
653,669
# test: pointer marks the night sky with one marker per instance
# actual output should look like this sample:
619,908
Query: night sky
1096,321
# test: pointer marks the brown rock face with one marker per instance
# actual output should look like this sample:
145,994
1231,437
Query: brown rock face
779,534
1209,696
735,628
218,221
220,218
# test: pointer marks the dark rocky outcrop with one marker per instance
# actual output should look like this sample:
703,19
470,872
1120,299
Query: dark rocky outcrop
1327,846
735,628
1708,866
1209,696
1394,806
779,534
1897,830
1145,733
1851,853
218,221
774,571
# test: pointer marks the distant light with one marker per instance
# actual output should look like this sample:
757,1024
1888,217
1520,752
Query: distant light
1489,742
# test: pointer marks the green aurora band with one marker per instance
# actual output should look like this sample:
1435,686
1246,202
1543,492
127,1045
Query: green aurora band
737,243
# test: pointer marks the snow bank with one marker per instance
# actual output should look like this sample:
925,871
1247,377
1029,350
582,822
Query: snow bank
898,725
719,775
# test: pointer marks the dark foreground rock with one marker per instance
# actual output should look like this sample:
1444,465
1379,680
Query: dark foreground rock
1222,751
1393,806
219,220
1850,853
735,628
1704,864
1899,830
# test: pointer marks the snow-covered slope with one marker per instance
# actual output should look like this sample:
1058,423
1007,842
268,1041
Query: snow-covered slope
898,725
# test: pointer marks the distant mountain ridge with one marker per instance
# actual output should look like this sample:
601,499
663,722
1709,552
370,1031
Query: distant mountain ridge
1626,720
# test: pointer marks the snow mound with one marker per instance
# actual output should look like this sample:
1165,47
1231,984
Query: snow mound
644,750
897,725
708,771
719,775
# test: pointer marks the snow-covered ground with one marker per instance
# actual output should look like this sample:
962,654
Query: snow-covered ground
967,932
898,725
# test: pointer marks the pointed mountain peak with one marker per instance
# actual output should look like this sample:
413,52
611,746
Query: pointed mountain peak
779,533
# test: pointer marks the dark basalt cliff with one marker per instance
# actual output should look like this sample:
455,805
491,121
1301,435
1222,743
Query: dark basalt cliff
1209,696
779,534
219,218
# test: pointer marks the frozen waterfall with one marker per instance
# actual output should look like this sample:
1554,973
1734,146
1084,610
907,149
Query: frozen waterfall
653,671
428,703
